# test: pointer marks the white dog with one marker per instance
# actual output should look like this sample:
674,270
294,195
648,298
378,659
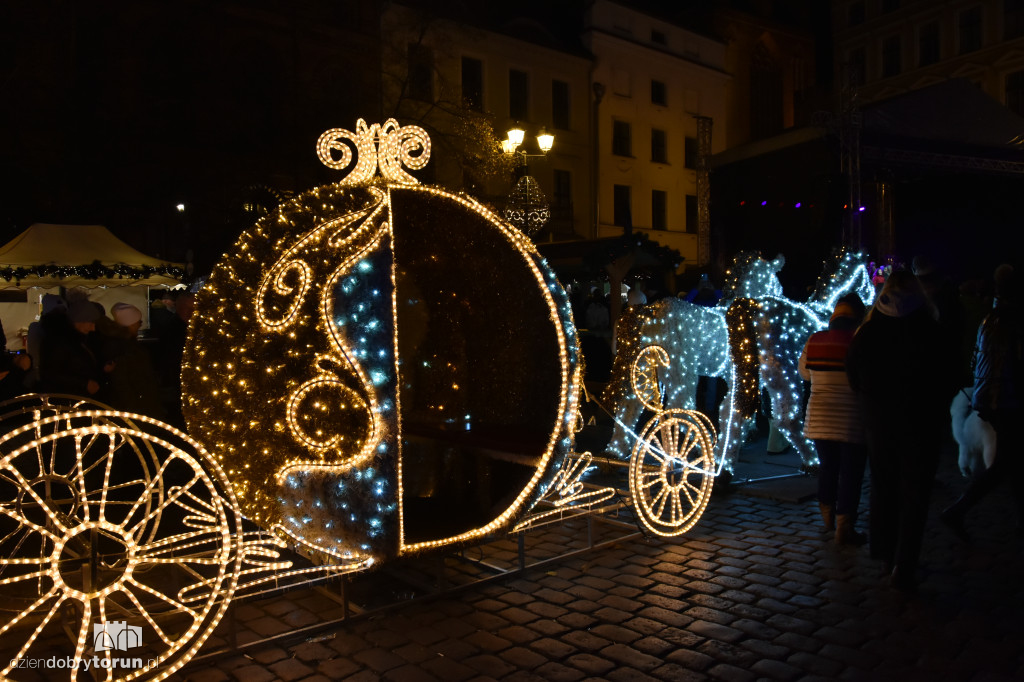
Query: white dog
974,435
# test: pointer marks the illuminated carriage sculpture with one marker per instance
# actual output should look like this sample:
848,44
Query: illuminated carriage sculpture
377,369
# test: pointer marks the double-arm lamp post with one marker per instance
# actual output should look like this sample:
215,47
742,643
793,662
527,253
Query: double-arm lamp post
511,144
527,207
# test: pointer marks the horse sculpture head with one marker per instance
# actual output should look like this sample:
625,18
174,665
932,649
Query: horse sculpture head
844,272
751,276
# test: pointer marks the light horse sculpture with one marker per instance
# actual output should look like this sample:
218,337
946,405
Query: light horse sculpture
752,340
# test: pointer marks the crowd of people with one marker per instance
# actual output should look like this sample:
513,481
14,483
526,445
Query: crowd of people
879,384
78,348
880,393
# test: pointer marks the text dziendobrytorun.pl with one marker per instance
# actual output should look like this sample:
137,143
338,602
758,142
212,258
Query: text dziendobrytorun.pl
72,663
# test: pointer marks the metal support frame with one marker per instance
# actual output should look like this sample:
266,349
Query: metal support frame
412,575
703,189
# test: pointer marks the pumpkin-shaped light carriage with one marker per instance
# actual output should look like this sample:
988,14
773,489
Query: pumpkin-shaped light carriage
376,369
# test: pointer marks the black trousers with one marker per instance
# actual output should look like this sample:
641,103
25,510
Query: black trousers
903,466
841,474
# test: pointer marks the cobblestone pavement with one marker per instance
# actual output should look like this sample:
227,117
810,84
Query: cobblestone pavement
754,591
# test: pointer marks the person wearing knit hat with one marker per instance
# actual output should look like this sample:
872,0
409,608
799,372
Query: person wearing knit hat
52,302
83,314
835,423
902,368
126,315
998,373
133,384
901,295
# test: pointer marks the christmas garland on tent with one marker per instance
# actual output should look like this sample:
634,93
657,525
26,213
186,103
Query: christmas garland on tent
95,270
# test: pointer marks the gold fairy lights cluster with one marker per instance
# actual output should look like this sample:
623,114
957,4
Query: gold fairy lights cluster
263,356
291,374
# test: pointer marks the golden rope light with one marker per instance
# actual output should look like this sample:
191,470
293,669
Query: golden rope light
672,466
644,376
398,146
146,495
671,472
567,491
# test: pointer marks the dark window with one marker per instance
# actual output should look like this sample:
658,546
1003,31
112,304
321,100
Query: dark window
1015,92
622,144
518,95
473,83
892,63
691,213
766,93
857,66
928,44
969,26
856,15
658,37
890,5
659,210
1013,19
659,94
659,147
560,105
562,196
421,73
623,210
690,152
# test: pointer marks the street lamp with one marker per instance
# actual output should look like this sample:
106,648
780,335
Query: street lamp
510,145
545,140
527,208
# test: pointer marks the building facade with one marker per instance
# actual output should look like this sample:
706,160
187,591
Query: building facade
886,47
652,79
468,85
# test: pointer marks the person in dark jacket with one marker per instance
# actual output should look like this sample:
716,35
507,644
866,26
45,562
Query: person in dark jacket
134,385
998,366
68,363
13,367
900,366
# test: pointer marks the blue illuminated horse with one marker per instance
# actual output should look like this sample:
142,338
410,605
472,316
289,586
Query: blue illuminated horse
752,340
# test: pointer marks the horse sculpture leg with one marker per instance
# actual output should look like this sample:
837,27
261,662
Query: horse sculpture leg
783,383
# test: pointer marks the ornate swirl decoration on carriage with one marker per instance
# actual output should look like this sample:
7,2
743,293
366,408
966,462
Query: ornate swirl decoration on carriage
567,490
277,279
644,376
387,148
284,290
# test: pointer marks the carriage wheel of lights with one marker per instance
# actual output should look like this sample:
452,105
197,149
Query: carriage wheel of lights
671,471
35,406
672,467
107,516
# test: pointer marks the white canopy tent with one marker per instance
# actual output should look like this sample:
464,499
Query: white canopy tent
44,258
